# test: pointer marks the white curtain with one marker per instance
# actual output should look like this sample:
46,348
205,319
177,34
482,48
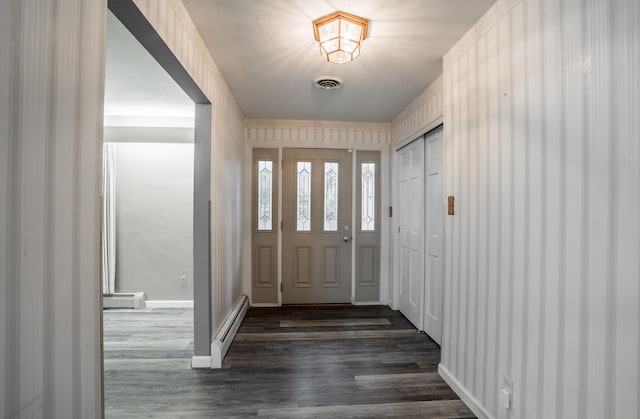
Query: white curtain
109,218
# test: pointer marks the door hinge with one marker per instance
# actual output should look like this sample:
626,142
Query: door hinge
390,211
281,287
281,225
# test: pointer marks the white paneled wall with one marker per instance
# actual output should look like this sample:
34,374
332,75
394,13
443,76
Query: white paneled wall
51,99
171,20
543,274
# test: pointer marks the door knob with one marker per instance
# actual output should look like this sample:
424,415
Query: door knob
346,239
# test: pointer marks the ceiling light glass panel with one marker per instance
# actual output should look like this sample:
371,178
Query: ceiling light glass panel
349,30
348,46
265,195
339,57
303,196
331,196
330,30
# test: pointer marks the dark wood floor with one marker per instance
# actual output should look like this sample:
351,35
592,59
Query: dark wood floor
289,362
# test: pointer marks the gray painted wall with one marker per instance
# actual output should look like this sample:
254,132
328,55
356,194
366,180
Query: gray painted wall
154,248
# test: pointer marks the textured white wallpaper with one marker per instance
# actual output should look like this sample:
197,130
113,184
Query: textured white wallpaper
173,23
51,99
543,274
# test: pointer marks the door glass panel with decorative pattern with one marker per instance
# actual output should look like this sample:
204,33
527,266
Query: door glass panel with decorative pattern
265,195
303,214
368,216
331,196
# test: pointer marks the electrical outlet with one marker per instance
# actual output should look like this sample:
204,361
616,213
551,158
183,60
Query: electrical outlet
183,281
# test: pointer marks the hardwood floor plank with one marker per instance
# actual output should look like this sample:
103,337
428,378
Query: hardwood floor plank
441,409
391,380
333,322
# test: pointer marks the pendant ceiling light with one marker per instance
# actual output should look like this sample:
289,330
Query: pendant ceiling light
340,35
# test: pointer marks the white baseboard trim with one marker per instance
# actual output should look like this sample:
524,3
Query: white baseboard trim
264,305
169,303
200,362
132,300
468,399
223,339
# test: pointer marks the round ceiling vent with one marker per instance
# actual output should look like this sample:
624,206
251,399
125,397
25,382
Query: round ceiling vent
328,83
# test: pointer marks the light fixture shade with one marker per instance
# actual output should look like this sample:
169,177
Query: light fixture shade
339,35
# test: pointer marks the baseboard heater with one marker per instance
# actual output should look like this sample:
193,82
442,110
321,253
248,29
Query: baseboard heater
223,339
134,300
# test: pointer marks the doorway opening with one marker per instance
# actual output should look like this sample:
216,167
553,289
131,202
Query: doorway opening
147,180
156,203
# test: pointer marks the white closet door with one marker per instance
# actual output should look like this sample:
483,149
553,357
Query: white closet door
434,229
411,220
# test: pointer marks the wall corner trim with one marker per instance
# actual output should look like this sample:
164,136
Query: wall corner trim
223,339
200,362
464,394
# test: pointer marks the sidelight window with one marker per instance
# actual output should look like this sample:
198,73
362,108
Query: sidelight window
265,195
368,216
303,201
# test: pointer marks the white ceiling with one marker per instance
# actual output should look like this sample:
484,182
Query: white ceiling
135,84
269,58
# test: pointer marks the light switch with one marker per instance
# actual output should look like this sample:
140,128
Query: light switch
451,200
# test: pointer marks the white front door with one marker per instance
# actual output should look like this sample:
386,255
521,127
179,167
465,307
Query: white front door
411,219
434,228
